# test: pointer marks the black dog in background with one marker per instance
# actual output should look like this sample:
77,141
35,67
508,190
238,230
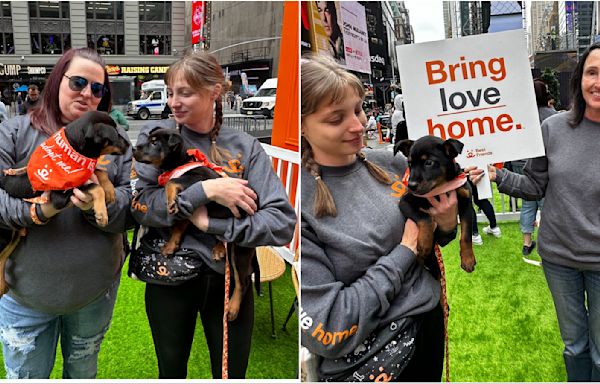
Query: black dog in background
166,150
93,135
432,165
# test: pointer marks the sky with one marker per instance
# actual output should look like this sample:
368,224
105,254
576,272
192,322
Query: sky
426,18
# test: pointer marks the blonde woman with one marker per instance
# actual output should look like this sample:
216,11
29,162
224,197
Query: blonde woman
362,288
195,84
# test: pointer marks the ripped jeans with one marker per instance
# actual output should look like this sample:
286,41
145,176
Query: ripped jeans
29,338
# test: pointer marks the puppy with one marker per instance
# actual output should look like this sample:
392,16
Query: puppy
432,170
73,151
165,150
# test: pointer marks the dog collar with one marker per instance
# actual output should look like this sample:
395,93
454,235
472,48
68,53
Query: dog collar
199,160
55,165
451,185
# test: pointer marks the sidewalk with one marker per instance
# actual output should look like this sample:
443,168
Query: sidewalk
374,143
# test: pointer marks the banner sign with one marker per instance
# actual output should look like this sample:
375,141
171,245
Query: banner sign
476,89
355,37
197,20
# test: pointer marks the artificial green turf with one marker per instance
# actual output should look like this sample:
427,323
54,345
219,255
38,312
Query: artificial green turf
502,323
128,352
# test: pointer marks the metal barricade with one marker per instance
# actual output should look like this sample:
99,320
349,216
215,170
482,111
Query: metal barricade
246,123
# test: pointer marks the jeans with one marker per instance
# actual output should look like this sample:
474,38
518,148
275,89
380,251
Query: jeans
528,212
579,323
29,338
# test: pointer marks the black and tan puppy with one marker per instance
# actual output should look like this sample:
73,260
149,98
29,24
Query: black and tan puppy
166,150
433,169
91,136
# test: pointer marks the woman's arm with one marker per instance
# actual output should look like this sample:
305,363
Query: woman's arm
336,318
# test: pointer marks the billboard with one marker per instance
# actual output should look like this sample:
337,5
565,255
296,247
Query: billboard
197,20
338,29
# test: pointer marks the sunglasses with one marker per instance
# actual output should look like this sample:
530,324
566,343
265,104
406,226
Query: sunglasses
78,84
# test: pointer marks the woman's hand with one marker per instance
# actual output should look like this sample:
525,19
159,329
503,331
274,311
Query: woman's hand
410,235
444,211
231,193
476,174
84,200
200,218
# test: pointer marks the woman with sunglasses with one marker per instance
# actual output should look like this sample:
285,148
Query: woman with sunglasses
64,275
195,84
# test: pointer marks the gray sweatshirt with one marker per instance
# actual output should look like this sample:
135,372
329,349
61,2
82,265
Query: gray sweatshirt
272,224
355,274
64,265
568,176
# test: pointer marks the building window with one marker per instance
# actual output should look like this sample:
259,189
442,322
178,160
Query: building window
105,27
7,45
155,27
50,27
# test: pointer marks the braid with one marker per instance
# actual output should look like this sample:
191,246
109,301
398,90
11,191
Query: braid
324,204
375,170
217,154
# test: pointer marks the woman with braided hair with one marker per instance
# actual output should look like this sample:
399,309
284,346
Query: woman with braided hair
375,312
195,84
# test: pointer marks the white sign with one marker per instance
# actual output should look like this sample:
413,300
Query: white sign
356,39
476,89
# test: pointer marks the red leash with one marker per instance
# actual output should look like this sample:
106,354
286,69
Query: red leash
225,356
445,308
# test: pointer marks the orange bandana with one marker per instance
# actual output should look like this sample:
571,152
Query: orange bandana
200,160
55,165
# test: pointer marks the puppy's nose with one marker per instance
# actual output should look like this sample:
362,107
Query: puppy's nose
412,184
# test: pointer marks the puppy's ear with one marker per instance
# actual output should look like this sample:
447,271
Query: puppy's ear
453,147
174,141
403,146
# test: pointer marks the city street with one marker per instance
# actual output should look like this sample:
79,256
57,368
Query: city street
263,131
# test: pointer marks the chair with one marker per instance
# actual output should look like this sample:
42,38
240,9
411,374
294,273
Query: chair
295,270
271,267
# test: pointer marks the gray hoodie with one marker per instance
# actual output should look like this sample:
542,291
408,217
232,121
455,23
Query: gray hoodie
568,176
272,224
356,276
64,265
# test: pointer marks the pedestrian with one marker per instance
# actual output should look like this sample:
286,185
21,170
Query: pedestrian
194,85
3,112
488,210
238,102
119,118
64,276
569,236
33,95
362,283
19,103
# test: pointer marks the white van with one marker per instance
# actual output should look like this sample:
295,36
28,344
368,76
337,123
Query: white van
153,101
264,100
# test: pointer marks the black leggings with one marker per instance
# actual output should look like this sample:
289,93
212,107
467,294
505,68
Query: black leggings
486,207
172,312
428,360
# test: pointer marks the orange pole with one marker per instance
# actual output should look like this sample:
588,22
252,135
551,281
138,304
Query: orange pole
380,134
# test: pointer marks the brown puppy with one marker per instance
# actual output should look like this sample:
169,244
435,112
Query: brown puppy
73,151
165,150
433,168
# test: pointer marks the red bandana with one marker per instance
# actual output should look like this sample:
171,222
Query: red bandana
55,165
200,160
446,187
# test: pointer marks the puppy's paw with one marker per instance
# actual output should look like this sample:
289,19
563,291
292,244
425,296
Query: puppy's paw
467,260
219,251
101,218
172,207
234,305
109,194
169,248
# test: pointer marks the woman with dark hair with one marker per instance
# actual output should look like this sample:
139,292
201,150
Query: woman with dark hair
569,234
329,19
64,276
195,84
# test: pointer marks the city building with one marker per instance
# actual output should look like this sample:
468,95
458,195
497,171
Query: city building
245,37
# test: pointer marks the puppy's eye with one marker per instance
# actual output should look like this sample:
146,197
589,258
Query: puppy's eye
429,163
